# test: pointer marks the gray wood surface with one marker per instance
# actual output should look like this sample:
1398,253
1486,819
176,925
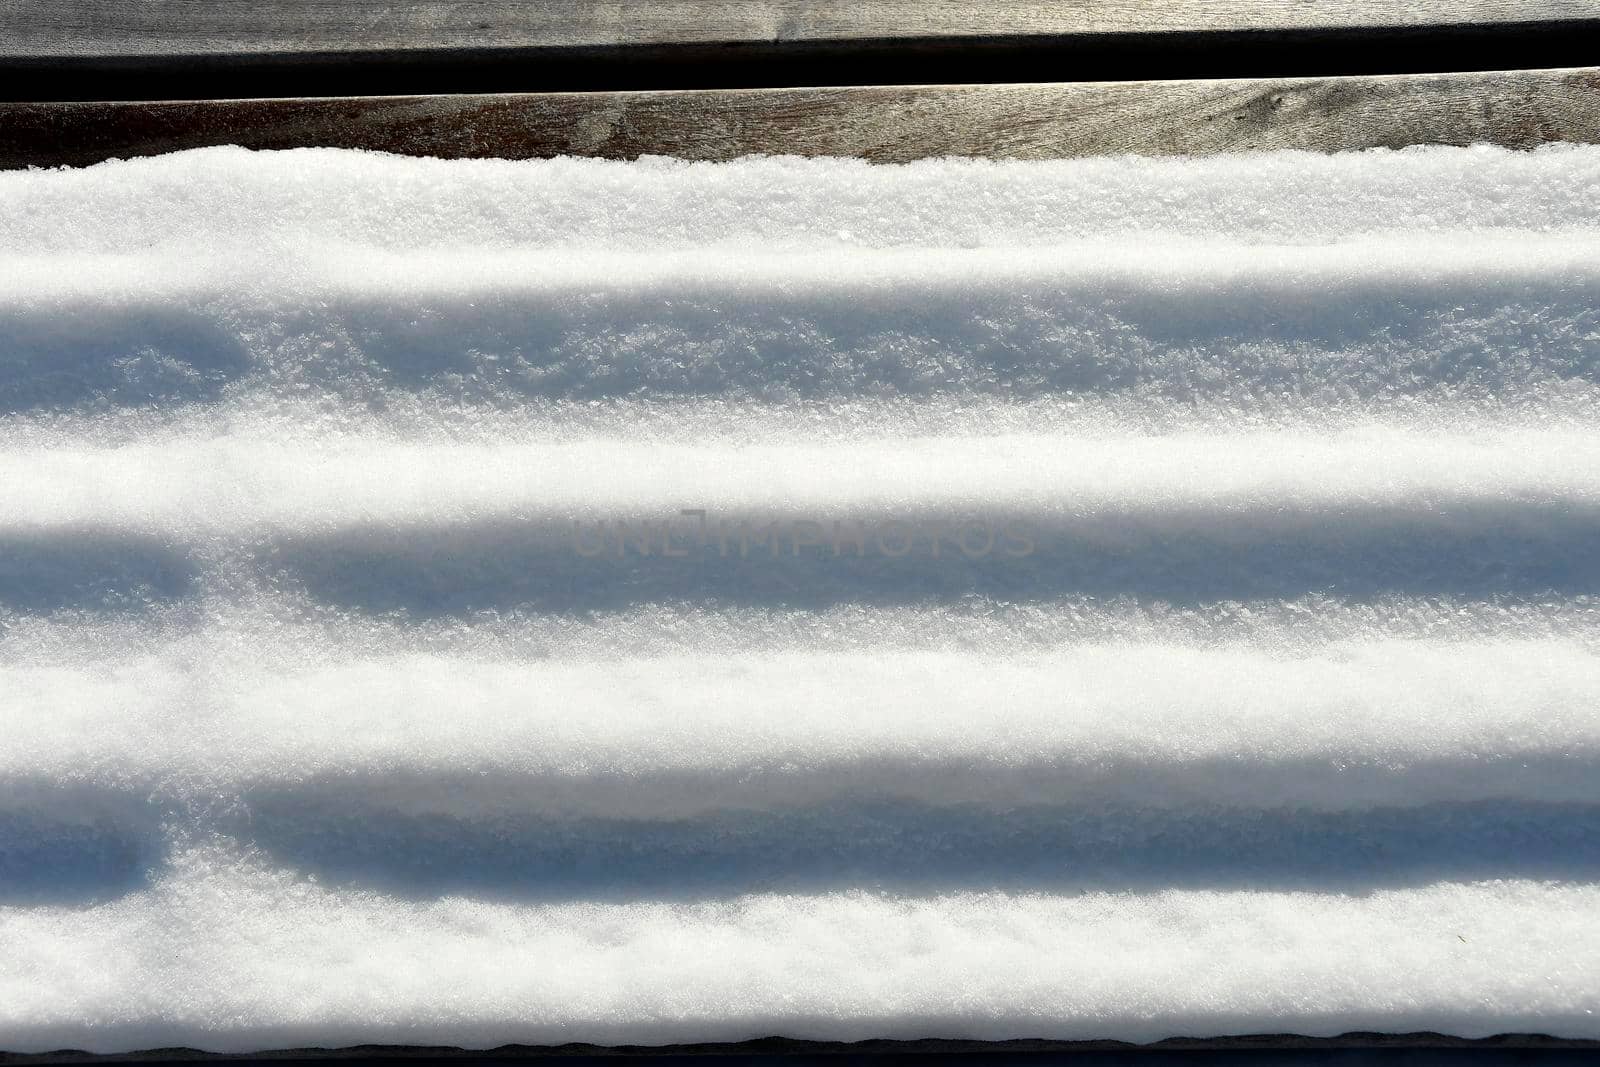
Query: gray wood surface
39,28
1518,109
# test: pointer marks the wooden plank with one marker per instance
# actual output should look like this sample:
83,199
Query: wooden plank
78,28
1518,109
219,49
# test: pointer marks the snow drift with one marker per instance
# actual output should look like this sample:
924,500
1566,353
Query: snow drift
483,602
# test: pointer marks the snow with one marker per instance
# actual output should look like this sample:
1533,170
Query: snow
265,960
688,735
193,198
1099,599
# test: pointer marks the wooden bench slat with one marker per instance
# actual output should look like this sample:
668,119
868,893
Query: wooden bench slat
1518,109
78,28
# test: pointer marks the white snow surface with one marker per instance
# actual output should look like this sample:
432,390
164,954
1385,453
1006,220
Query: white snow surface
483,602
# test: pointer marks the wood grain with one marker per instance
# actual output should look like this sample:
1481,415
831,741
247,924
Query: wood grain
1518,109
60,28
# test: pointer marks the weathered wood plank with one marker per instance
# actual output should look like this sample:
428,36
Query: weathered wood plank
1518,109
210,27
218,49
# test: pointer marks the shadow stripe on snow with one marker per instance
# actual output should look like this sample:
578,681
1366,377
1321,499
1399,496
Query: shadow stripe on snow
900,848
48,862
76,842
1184,556
404,801
1325,341
906,848
1316,782
89,569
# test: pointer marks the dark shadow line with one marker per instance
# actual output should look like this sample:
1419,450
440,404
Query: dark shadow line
1351,1049
75,845
87,569
917,849
1079,57
1184,556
